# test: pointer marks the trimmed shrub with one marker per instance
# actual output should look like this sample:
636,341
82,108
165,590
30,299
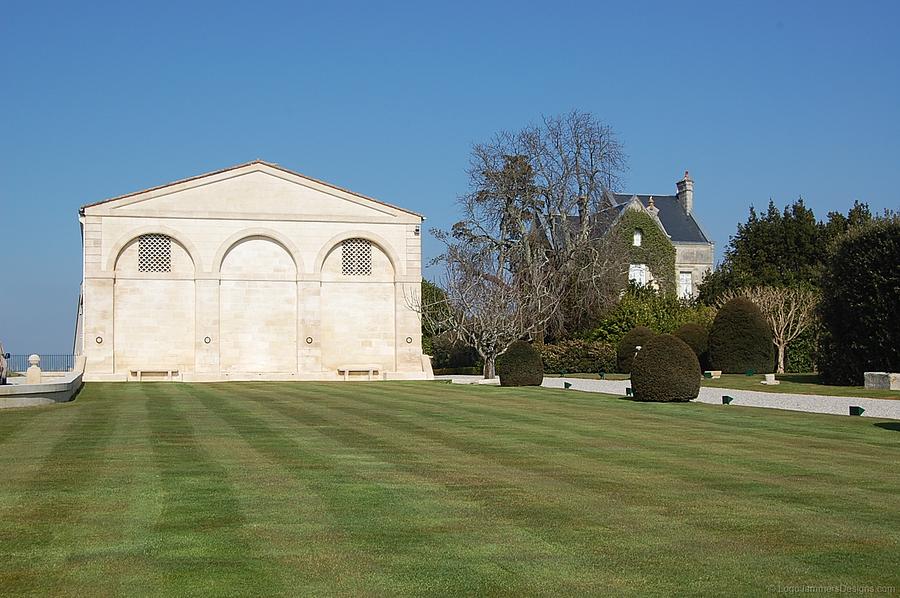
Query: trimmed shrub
520,366
860,304
697,338
578,356
665,370
740,339
636,337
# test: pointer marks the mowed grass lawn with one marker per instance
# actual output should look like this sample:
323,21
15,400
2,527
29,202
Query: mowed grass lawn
426,488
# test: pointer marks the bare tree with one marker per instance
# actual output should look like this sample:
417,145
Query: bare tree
487,305
540,193
789,310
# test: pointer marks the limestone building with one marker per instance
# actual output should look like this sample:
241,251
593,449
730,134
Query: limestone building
252,272
674,215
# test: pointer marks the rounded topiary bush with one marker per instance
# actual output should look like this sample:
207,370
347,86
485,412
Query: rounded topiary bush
665,370
697,338
520,366
740,339
636,337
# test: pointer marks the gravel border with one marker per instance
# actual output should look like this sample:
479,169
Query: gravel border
879,408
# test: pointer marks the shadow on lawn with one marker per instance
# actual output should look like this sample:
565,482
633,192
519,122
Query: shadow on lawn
640,402
894,426
800,378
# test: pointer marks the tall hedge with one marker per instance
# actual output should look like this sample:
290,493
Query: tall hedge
697,338
520,366
578,356
740,339
636,337
800,355
666,369
861,304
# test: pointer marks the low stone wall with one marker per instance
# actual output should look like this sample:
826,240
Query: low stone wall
51,389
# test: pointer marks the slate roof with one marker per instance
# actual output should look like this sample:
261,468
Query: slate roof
681,226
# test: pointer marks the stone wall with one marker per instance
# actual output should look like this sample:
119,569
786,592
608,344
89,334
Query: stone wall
255,287
696,258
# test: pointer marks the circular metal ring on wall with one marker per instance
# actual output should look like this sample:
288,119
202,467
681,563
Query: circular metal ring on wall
207,340
99,340
408,339
308,340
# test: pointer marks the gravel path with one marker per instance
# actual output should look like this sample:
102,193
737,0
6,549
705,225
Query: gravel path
881,408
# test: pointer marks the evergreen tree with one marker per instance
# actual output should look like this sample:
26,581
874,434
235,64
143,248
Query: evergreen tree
780,249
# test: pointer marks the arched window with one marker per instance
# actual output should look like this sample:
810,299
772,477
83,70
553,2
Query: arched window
356,257
154,253
638,237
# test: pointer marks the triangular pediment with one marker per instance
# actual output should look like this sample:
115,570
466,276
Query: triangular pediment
253,190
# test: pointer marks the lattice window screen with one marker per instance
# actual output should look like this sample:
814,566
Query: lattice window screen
154,253
356,258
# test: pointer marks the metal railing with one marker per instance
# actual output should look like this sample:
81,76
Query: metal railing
49,363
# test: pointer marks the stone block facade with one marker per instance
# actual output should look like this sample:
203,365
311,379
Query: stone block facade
253,272
694,259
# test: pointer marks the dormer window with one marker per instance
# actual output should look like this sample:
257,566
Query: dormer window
638,237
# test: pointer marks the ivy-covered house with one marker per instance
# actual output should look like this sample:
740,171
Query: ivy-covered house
668,248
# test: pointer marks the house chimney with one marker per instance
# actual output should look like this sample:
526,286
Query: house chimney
686,192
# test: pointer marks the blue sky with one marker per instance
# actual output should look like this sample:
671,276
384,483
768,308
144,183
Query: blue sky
757,99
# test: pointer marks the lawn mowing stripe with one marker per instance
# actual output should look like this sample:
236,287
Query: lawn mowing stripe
706,475
109,546
709,471
521,457
32,436
475,535
348,431
546,548
199,541
784,527
316,572
616,553
115,551
790,423
746,445
691,419
349,536
19,421
56,497
711,415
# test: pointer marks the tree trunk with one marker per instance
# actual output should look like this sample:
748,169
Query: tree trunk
780,358
489,368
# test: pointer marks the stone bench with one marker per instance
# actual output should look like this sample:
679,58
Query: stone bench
369,368
169,372
882,380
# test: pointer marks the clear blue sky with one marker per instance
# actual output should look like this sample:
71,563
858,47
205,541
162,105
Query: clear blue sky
97,99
